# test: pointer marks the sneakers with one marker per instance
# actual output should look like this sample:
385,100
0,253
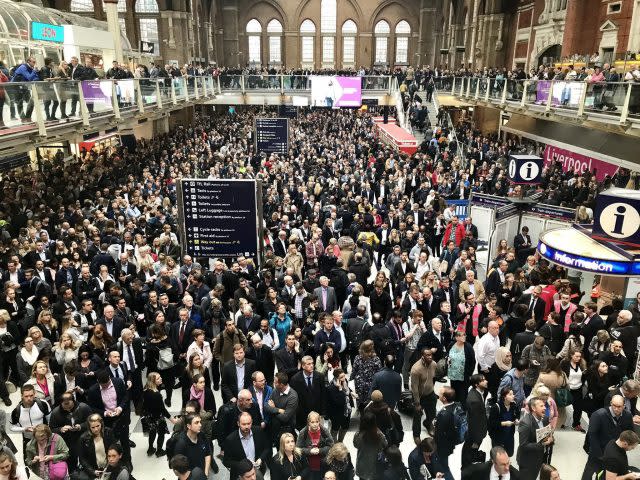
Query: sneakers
150,451
7,401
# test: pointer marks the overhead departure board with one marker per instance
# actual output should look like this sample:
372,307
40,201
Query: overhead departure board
272,135
219,217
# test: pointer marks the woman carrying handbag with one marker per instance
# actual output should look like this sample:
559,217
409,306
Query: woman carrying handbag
47,454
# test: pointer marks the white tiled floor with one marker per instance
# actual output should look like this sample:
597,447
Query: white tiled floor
568,456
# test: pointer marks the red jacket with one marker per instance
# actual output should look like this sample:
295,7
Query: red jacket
460,232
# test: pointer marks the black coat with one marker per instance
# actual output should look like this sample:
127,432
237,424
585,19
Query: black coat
530,452
87,449
229,382
309,399
445,432
482,471
265,361
389,382
234,453
429,340
287,362
94,399
476,416
603,428
520,341
538,311
174,336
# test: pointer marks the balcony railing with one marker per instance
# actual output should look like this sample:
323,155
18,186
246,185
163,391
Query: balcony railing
605,101
43,106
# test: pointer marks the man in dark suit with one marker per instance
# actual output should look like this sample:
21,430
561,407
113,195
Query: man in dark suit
388,381
470,227
13,273
125,270
114,325
523,246
522,339
66,275
288,358
328,301
312,394
401,268
327,334
280,244
131,354
44,273
477,418
531,453
40,253
445,429
591,324
496,278
170,311
535,306
180,333
67,304
248,321
499,465
436,338
246,442
629,392
115,412
263,356
605,425
236,374
430,305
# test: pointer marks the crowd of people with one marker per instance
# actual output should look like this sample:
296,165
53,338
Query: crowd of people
366,306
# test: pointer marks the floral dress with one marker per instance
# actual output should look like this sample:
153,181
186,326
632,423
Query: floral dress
363,370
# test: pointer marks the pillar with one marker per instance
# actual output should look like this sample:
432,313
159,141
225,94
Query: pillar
426,40
634,29
113,25
572,28
231,40
474,30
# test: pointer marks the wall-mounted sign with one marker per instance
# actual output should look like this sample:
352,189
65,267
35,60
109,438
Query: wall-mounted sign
616,217
147,47
272,135
47,32
525,169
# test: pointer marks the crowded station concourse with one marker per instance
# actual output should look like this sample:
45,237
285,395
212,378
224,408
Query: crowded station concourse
386,328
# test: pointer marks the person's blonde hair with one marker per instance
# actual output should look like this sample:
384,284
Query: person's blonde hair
42,428
338,451
312,415
54,324
366,349
35,366
540,389
151,381
297,453
4,315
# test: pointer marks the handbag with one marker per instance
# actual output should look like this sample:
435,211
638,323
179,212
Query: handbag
443,267
57,470
442,368
563,396
165,358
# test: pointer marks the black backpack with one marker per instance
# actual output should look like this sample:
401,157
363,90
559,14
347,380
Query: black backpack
170,446
405,404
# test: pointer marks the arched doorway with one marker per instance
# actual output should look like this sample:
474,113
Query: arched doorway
550,55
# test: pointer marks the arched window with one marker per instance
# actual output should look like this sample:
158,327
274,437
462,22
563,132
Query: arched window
274,30
328,19
307,32
382,31
148,13
349,32
82,6
254,30
403,30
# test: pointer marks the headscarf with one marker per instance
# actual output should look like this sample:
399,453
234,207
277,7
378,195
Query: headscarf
195,394
501,359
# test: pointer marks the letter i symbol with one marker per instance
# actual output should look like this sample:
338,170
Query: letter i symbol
619,219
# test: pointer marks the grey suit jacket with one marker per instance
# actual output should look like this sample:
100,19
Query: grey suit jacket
288,403
530,453
332,300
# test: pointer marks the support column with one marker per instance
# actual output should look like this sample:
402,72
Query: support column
634,36
232,48
426,41
113,25
474,33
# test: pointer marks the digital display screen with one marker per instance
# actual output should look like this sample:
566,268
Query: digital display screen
272,135
336,92
219,217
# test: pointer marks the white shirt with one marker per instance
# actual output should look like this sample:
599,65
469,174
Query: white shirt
493,475
486,351
343,338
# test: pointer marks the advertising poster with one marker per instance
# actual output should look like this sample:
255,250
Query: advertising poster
564,93
95,91
336,92
575,162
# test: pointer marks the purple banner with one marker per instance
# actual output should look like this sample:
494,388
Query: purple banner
564,93
96,91
575,162
336,92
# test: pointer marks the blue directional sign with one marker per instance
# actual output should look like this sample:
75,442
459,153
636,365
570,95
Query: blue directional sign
219,217
272,135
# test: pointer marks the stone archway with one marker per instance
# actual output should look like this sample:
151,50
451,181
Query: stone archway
549,55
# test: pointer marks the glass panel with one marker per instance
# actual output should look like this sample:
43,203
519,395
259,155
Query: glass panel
307,49
275,54
381,49
253,26
254,49
327,49
382,27
307,27
127,94
146,6
349,50
403,27
165,91
328,15
375,83
82,6
402,49
179,88
349,27
634,101
148,90
149,30
230,82
274,26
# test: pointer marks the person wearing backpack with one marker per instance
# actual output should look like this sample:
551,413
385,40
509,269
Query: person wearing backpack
445,435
